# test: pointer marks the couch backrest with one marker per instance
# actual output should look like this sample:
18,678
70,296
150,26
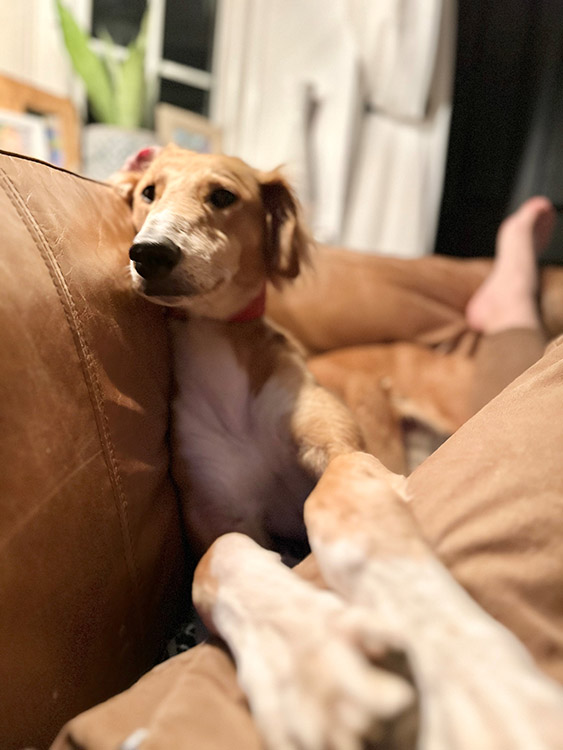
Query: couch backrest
91,558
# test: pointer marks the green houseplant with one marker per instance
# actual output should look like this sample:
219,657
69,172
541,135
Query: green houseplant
115,87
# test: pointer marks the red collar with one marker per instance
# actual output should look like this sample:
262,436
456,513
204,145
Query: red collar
254,309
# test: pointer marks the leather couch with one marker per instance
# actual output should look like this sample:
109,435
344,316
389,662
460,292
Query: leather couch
92,560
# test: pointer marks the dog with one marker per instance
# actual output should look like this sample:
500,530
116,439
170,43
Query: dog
252,430
388,657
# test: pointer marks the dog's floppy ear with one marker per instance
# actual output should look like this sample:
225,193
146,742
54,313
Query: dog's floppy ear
287,241
128,176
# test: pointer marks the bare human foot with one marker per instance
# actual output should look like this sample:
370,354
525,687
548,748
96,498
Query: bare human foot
507,297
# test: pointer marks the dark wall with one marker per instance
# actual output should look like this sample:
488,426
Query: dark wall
506,139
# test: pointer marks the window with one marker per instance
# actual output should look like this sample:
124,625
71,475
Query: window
122,20
179,45
188,32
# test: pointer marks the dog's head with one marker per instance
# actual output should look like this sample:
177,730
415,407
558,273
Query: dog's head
210,229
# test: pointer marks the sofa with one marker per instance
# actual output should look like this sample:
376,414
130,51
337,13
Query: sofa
94,562
92,558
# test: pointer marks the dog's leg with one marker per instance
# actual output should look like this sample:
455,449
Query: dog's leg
309,682
479,687
322,428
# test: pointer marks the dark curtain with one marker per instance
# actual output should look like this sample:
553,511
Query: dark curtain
506,139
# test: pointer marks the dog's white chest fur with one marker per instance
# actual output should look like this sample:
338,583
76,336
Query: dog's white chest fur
235,444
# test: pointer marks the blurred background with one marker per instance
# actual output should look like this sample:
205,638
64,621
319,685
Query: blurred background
407,126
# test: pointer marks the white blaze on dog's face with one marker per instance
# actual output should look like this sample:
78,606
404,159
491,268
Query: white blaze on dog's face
210,229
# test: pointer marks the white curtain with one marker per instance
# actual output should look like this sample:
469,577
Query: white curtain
354,98
31,47
288,95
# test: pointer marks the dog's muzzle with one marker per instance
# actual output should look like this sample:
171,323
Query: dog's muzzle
154,260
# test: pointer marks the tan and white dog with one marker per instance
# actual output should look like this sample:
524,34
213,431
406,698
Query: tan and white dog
253,431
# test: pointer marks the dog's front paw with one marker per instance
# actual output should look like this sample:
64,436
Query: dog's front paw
304,659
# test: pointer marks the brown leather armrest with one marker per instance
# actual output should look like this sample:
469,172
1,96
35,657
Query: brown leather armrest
91,558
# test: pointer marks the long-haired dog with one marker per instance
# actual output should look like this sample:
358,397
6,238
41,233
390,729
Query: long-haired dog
253,431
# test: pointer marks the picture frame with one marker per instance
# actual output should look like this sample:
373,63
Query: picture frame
37,108
24,134
186,129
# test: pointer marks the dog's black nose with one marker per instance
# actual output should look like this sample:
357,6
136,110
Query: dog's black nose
154,260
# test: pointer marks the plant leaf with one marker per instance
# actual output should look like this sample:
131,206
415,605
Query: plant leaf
88,66
108,55
130,82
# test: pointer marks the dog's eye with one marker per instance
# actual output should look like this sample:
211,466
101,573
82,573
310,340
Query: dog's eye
221,198
148,193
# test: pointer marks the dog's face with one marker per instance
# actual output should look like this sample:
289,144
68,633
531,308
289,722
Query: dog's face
210,229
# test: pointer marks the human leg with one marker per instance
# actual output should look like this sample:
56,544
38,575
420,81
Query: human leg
348,298
505,307
508,297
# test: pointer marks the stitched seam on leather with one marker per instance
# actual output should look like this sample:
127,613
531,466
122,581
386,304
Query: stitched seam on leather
86,360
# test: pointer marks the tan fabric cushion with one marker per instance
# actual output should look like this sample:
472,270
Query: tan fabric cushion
190,701
490,501
90,545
